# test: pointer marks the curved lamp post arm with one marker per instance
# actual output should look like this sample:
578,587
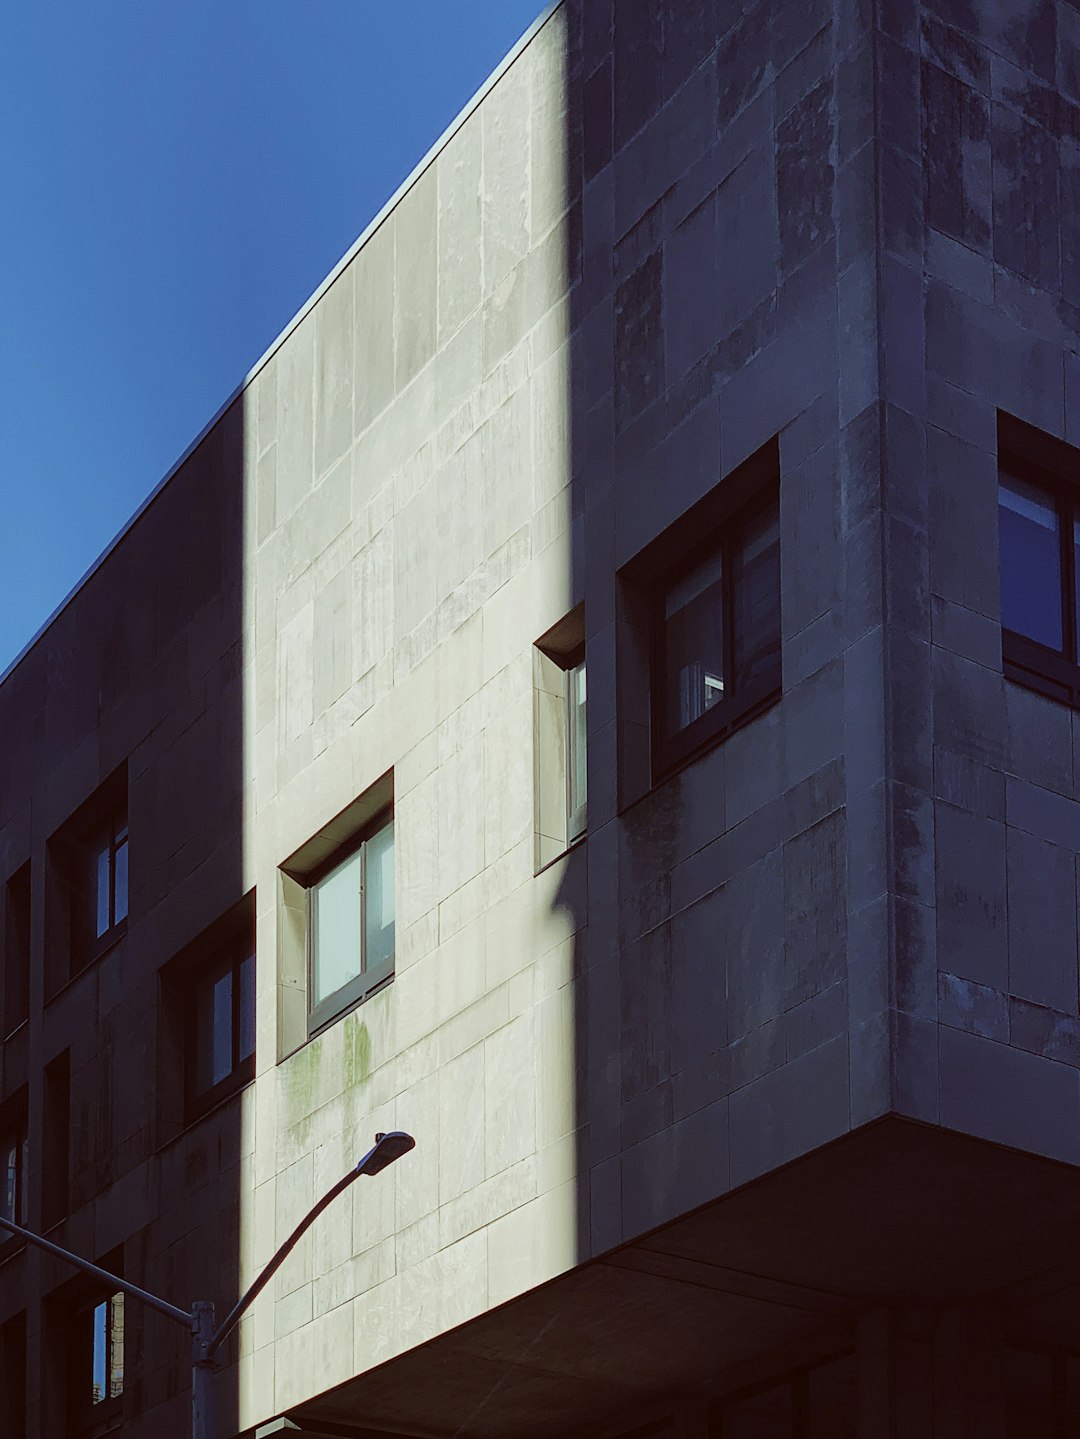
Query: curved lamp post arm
386,1149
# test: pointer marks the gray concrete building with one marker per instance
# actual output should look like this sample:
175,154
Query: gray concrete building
727,353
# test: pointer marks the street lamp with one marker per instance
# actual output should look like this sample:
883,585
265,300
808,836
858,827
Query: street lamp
199,1320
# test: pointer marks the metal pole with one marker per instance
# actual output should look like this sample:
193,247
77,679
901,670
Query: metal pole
182,1316
202,1371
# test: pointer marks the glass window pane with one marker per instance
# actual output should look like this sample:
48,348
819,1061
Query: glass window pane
762,1416
379,911
116,1345
100,882
100,1361
1030,554
757,597
576,768
335,929
213,1027
221,1032
9,1158
694,643
120,881
246,1036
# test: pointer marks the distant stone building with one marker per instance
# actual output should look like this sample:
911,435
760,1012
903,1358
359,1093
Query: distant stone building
726,353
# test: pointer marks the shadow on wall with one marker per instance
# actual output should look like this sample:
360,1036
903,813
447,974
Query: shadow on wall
123,782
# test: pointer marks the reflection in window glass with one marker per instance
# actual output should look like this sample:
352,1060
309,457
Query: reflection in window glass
107,1373
576,767
336,928
756,600
224,1019
1030,552
768,1415
694,643
14,1155
379,907
102,887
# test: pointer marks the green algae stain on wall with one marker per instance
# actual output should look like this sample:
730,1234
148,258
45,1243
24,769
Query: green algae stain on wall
357,1054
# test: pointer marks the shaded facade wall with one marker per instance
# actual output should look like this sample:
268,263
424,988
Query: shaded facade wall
737,990
142,673
979,123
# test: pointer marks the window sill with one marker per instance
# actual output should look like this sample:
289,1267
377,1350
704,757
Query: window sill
322,1019
193,1121
573,844
92,958
671,756
1036,668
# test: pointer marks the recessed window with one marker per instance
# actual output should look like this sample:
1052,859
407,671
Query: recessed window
221,1027
96,1365
103,883
1038,546
17,950
560,756
87,883
336,916
577,779
14,1163
717,635
351,924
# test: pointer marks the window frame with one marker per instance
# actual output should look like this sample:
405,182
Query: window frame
367,982
14,1126
88,1417
577,815
671,751
1050,672
229,958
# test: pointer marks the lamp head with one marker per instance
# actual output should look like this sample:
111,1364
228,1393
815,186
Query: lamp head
388,1147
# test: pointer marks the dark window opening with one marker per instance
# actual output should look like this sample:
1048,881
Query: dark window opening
717,635
1038,545
55,1188
221,1027
17,951
95,1368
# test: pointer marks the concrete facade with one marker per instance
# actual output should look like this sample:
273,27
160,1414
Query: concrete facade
779,1067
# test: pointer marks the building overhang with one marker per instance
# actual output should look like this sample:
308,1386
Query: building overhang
895,1213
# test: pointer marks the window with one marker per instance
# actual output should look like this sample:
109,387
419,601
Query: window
560,777
102,885
717,635
336,903
96,1365
17,950
86,883
576,768
14,1161
1038,548
351,925
107,1348
56,1175
221,1027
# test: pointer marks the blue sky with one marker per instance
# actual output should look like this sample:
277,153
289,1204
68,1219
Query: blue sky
176,181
